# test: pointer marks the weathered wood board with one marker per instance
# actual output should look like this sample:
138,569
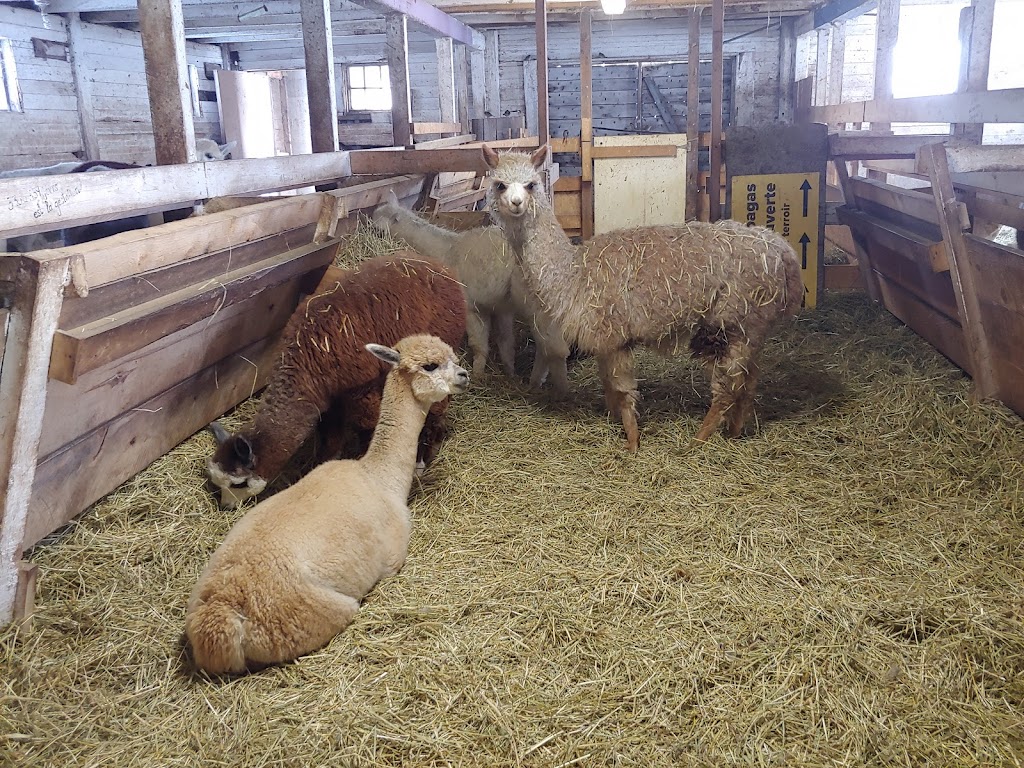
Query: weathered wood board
639,191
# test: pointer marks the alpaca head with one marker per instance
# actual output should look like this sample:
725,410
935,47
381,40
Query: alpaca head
427,365
515,185
232,468
387,214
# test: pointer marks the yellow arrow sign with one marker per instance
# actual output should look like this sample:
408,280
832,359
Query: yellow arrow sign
788,204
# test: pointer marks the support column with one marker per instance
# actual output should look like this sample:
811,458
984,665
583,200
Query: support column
586,125
693,118
541,15
717,94
170,98
397,29
318,43
83,87
787,69
462,86
976,25
446,78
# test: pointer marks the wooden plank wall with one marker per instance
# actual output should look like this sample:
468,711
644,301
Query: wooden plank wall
48,131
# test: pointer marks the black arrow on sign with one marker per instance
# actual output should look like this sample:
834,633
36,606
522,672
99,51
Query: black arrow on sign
804,240
806,187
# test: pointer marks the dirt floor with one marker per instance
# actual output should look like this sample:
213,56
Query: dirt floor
841,587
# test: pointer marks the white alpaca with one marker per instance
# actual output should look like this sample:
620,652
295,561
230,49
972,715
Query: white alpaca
291,573
496,291
712,288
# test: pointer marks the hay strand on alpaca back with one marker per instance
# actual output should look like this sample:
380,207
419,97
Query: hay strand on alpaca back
496,291
323,372
291,573
712,289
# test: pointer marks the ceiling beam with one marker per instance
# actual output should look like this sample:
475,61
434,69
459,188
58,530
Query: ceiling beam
834,11
428,16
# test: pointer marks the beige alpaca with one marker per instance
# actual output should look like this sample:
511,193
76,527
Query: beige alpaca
290,574
496,291
714,288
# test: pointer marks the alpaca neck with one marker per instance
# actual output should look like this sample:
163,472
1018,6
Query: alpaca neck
423,236
548,258
391,456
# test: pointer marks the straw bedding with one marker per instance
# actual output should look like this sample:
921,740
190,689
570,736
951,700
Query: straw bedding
841,588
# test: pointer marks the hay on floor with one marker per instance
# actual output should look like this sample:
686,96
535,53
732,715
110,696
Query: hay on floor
841,588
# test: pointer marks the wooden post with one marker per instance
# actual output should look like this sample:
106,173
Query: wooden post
446,78
541,16
83,87
477,84
960,272
462,85
530,94
397,32
787,69
717,89
886,36
836,64
586,125
492,87
693,117
38,295
821,68
318,43
976,25
170,98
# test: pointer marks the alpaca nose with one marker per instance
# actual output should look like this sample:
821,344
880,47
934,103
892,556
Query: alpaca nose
515,201
462,377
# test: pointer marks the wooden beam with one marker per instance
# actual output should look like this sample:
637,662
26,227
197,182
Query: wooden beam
82,74
975,56
586,125
961,274
973,159
543,128
318,46
661,104
717,92
821,66
787,70
642,150
462,87
477,85
867,145
1002,106
38,293
389,161
445,50
430,17
492,84
170,98
831,12
422,129
398,69
836,63
42,203
693,117
886,36
531,96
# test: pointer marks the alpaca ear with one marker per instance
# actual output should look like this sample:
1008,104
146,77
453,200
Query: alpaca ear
243,450
220,434
540,157
387,354
490,156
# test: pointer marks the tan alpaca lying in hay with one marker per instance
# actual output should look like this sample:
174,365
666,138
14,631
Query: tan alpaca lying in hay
290,574
714,288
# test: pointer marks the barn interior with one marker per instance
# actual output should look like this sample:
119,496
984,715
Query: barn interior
841,586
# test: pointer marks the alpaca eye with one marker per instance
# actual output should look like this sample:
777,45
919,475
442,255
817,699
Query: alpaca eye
531,186
501,187
429,367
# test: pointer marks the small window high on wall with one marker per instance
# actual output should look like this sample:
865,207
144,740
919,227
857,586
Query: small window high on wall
369,87
10,93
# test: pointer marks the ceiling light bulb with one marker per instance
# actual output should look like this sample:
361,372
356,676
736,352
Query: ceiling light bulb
613,7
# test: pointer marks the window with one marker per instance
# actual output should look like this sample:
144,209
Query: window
369,87
10,93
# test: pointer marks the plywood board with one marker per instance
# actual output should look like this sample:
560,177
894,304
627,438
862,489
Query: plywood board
639,191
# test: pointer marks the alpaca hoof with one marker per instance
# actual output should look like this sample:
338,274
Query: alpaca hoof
419,469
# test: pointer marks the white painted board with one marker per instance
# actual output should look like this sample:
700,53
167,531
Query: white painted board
639,191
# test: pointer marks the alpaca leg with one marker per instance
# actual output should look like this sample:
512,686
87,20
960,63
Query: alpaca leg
478,330
620,391
728,382
552,352
505,329
740,413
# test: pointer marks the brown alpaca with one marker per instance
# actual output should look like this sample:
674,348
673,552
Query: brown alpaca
290,574
715,288
323,370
